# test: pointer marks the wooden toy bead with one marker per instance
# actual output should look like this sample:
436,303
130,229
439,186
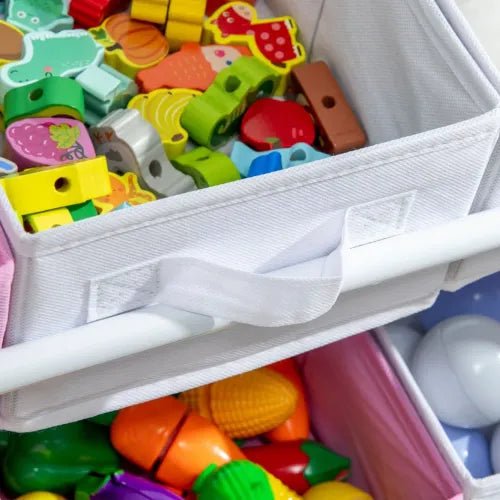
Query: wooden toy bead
154,11
185,22
213,5
91,13
11,43
39,15
47,97
40,189
7,167
47,220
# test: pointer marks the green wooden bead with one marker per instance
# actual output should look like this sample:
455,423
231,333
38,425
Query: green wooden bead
82,210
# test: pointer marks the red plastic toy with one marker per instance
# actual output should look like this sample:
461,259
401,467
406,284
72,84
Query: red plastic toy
213,5
91,13
270,124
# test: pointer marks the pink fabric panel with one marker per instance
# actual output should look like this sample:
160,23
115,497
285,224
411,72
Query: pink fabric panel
6,275
360,409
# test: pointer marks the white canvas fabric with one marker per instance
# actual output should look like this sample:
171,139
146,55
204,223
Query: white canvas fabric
430,110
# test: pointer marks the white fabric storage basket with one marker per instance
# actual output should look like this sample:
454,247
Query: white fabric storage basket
429,108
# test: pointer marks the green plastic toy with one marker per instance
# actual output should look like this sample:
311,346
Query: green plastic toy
56,459
213,117
39,15
54,96
45,54
104,419
206,167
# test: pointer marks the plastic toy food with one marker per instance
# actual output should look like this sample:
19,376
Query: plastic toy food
124,188
51,54
300,464
212,118
163,109
11,43
47,97
56,459
130,45
90,13
271,124
243,480
193,67
185,21
272,41
339,128
131,144
206,167
172,444
297,426
245,405
457,366
47,141
336,491
121,486
39,15
472,448
41,495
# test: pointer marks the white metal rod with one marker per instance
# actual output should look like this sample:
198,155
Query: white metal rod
123,335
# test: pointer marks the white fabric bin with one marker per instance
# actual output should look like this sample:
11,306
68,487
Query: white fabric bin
430,110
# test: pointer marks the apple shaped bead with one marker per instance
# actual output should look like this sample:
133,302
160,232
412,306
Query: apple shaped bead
457,366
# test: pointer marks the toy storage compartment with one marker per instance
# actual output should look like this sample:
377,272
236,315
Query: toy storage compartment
411,82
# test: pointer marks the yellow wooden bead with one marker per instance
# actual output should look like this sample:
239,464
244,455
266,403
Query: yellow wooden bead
185,22
49,219
154,11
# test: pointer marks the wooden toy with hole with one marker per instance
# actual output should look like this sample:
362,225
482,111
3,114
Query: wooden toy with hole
339,129
47,141
185,22
39,15
47,188
45,54
130,45
131,144
91,13
273,41
7,167
125,189
11,43
193,67
49,97
213,5
212,118
163,109
153,11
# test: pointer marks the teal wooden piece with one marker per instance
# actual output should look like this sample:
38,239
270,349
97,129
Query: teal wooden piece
206,167
39,15
300,153
67,53
212,118
105,90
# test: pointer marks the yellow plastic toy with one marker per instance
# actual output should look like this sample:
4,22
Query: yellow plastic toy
153,11
246,405
185,22
45,188
41,495
163,109
130,45
280,491
336,490
273,41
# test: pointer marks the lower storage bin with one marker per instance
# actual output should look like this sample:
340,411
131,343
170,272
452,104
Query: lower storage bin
359,408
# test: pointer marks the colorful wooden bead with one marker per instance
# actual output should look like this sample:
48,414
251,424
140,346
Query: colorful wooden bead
163,109
47,97
105,89
153,11
47,141
40,189
339,128
207,168
265,164
130,45
34,223
185,22
39,15
212,118
11,43
91,13
131,144
243,157
82,211
192,67
125,191
7,167
273,41
67,53
213,5
271,124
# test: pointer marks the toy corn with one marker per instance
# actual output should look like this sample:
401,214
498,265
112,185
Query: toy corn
246,405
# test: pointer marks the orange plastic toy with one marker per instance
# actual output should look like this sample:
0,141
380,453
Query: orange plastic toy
297,426
245,405
174,445
193,67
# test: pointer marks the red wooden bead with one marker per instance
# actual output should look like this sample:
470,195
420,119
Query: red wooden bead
90,13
